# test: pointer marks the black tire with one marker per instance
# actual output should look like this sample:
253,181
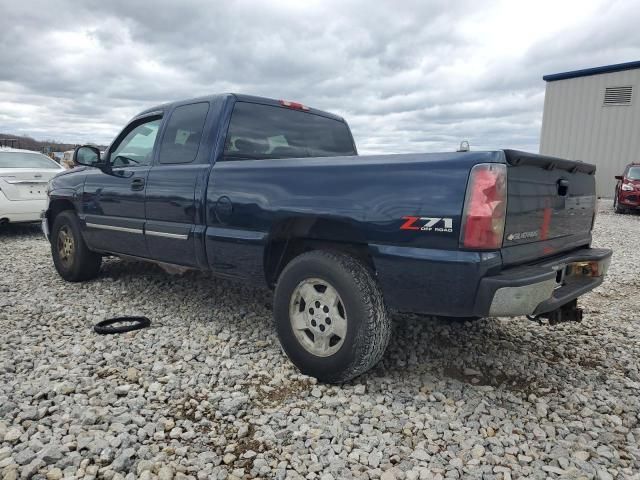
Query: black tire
616,205
73,261
127,324
368,326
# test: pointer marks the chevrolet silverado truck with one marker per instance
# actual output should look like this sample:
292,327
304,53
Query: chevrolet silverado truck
274,192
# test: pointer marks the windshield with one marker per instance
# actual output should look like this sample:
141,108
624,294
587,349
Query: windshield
262,131
634,173
26,160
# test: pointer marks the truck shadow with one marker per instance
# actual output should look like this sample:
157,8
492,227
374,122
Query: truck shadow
27,230
500,354
514,355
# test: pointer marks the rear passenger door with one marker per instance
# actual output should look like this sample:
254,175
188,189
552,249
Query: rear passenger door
175,188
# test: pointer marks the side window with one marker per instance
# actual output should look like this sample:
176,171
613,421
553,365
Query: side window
182,136
136,148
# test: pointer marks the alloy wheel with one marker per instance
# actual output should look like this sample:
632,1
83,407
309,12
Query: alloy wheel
318,317
66,245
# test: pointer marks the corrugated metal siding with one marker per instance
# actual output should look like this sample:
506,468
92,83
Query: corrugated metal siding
577,125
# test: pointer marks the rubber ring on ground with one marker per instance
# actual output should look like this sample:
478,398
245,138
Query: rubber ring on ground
110,326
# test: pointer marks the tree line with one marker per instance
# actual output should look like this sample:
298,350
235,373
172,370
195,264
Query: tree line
29,143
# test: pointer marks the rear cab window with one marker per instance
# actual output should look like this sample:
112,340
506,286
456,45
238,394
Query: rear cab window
181,139
258,131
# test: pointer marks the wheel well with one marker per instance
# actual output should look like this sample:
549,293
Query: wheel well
57,206
292,237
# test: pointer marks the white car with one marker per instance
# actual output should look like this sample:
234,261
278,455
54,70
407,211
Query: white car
23,184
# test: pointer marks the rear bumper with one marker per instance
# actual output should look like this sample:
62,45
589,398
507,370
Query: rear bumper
463,284
21,210
543,287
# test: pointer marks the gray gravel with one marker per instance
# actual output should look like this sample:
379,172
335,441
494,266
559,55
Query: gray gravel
207,393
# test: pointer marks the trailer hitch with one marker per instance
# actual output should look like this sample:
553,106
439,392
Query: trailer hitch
569,312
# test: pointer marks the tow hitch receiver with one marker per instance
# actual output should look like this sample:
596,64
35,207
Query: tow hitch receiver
569,312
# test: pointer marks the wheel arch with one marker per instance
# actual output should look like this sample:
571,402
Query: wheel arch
56,206
293,236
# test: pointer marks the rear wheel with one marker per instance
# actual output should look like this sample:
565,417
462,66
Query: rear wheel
330,316
71,256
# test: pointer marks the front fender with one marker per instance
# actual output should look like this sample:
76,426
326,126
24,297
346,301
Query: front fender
58,200
61,195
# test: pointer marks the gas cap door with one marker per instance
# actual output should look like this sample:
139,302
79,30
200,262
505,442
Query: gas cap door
223,209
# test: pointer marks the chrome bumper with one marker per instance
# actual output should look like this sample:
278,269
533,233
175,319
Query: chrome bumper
544,287
514,301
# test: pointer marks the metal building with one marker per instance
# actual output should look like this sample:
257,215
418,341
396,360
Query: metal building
594,115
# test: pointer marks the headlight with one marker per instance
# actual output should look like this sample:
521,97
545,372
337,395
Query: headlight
627,187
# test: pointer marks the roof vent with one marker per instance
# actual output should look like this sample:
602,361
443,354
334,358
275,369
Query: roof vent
618,95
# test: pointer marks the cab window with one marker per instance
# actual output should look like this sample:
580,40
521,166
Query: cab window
136,148
181,139
259,131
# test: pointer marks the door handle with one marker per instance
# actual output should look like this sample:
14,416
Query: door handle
137,184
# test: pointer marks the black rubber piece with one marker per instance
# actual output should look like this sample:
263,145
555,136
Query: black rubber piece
109,326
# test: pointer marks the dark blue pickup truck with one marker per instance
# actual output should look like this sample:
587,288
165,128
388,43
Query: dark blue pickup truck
274,192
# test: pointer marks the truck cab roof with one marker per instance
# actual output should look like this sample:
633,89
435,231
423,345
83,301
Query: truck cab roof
236,97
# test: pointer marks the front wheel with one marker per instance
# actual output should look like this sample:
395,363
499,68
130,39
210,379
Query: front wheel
616,205
71,256
330,316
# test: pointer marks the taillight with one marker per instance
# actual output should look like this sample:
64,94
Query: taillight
485,207
294,105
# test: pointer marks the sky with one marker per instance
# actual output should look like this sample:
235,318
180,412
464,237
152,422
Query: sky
408,76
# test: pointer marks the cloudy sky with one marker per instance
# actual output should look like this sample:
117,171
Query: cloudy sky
408,75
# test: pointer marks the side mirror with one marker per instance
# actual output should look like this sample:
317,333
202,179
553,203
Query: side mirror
87,155
619,177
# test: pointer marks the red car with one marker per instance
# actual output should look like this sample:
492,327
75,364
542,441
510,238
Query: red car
627,195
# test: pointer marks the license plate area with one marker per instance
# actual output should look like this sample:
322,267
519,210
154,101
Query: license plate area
578,271
32,190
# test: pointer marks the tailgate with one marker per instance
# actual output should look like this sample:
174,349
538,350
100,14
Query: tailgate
550,206
25,183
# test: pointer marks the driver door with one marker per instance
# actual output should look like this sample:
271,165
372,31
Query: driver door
113,205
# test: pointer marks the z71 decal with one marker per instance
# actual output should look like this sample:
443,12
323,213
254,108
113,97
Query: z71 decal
428,224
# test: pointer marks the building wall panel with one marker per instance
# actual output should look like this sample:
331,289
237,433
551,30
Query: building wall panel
576,124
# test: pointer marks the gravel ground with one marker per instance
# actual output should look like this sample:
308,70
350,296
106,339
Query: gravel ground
207,393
